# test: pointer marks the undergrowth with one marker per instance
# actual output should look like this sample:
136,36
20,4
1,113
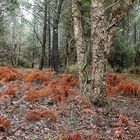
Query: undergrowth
58,89
38,114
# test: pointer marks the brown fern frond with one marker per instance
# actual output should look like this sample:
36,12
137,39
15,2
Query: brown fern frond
38,114
5,124
8,74
42,76
10,91
34,95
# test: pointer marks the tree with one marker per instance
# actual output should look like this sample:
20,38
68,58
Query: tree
43,45
102,39
8,11
56,19
80,42
102,33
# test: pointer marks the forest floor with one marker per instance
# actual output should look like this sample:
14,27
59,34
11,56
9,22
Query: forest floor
38,105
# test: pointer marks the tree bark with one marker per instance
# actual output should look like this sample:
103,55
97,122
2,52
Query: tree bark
55,51
99,52
80,43
14,45
102,38
49,36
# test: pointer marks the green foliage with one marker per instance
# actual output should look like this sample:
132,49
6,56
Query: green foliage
2,29
122,54
73,69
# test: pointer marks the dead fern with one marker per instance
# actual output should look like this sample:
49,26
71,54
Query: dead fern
116,85
78,136
41,76
34,95
4,124
38,114
123,121
8,74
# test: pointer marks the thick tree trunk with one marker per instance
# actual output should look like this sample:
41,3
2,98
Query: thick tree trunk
43,53
99,52
80,44
102,38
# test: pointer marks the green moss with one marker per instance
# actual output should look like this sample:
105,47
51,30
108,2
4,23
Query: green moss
73,69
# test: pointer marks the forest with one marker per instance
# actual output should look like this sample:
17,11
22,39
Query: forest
69,69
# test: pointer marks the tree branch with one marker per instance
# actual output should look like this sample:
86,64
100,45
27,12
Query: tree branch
119,15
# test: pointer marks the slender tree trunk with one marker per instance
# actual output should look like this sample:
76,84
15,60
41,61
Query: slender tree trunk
49,36
135,34
69,45
33,58
14,45
43,53
33,48
18,57
19,44
55,51
67,60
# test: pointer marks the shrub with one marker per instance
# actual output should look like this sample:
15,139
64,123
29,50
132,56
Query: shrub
73,69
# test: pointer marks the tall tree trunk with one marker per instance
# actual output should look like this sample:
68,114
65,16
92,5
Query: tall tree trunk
99,51
49,36
19,44
14,45
55,51
43,53
102,38
33,47
69,45
80,43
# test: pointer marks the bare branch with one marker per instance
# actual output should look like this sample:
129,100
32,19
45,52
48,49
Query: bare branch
119,15
112,5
